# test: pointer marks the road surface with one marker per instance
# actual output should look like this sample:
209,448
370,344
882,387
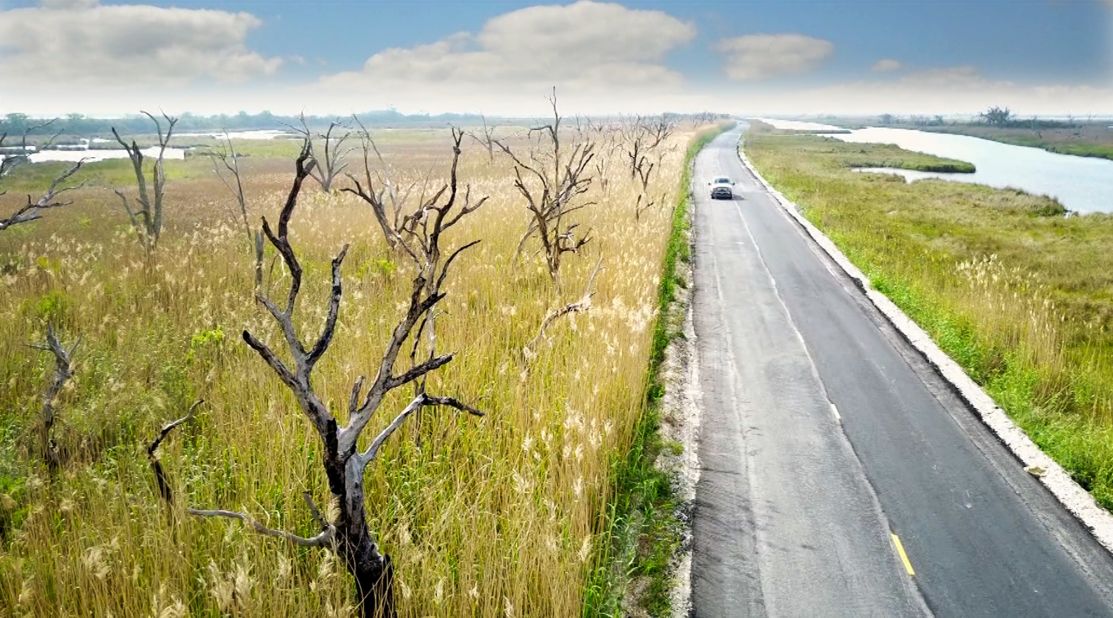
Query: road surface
840,475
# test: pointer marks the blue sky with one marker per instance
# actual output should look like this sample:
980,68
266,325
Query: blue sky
792,56
1014,38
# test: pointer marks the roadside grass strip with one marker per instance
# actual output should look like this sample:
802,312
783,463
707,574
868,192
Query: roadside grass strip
643,532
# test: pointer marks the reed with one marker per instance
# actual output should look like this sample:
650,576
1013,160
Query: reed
504,516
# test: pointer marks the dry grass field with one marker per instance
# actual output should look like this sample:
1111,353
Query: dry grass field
499,515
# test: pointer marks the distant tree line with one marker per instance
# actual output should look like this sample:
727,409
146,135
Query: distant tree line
919,121
1004,117
994,117
82,125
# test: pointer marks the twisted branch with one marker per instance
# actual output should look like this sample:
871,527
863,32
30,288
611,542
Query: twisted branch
323,539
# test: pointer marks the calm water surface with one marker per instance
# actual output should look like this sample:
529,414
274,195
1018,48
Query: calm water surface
101,155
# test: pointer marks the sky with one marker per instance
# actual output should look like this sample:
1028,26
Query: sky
502,57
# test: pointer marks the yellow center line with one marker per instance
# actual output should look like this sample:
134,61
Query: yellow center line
902,554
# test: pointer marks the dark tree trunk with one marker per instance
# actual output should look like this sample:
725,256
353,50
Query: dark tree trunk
374,575
372,570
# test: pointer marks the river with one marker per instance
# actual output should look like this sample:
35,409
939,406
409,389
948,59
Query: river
91,155
98,154
1082,184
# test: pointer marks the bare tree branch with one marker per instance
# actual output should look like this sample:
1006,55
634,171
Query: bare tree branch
554,182
63,372
146,219
323,539
420,401
32,210
226,166
164,488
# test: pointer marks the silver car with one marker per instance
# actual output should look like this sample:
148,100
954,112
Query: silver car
722,188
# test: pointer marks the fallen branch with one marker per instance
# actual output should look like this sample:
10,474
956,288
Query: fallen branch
583,304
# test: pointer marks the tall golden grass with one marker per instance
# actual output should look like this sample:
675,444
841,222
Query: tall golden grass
496,516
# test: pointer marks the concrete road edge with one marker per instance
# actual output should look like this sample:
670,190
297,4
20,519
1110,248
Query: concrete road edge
1070,494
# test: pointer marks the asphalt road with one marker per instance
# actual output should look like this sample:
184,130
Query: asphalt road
841,476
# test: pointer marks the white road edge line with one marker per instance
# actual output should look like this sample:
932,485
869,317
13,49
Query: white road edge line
1070,494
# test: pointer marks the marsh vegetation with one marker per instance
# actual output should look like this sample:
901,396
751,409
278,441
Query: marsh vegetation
508,514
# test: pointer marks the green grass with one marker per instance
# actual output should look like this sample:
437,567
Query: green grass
110,173
1088,140
872,155
1016,293
643,531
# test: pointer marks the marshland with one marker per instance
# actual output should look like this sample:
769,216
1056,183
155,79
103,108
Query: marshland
512,512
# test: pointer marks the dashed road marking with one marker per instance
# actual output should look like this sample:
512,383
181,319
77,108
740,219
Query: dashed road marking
903,556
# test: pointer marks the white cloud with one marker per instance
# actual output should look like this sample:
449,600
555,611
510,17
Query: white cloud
886,65
80,44
761,56
588,48
68,4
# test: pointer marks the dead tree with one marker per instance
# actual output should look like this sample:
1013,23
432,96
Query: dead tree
226,166
347,534
644,201
554,183
608,141
643,137
388,201
601,173
487,139
32,210
146,218
642,175
63,372
420,239
331,157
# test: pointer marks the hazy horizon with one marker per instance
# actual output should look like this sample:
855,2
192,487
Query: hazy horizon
807,57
